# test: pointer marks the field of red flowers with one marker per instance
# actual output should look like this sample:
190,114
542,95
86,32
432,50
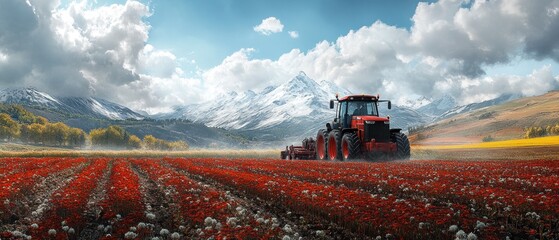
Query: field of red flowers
175,198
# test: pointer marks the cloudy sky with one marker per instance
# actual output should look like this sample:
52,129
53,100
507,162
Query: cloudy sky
151,55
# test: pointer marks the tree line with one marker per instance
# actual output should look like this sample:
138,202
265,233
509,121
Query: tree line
18,124
117,137
550,130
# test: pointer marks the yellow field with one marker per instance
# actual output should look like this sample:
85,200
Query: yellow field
532,142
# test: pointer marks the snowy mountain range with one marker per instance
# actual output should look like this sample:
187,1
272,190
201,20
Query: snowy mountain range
286,112
296,108
299,107
90,106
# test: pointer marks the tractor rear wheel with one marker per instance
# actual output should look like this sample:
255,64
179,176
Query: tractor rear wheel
335,145
322,144
402,146
351,146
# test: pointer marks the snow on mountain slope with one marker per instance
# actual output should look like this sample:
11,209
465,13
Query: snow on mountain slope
301,97
98,108
474,106
438,106
416,103
93,107
28,96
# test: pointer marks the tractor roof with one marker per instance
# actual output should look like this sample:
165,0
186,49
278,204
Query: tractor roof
361,97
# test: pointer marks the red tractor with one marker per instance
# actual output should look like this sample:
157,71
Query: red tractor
357,132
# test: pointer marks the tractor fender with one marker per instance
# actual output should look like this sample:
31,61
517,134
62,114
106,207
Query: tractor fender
395,130
346,130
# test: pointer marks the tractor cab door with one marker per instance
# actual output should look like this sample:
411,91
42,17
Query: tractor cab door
345,118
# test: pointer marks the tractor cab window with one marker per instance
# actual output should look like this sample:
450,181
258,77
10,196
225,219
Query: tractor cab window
343,115
348,109
362,108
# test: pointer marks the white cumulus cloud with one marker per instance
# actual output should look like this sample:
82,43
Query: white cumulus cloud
446,51
102,51
269,25
293,34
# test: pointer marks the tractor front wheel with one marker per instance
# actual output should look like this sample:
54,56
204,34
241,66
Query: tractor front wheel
335,145
351,146
402,146
322,144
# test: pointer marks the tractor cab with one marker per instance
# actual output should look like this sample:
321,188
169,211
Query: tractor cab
355,106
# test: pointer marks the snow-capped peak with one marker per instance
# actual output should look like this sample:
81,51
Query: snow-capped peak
29,96
415,103
75,105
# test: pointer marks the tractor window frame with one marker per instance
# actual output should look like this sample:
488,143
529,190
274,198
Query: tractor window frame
372,108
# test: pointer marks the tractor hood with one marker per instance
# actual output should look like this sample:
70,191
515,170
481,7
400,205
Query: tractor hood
371,118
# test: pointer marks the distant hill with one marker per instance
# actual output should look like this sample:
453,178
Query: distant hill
91,113
501,122
474,106
93,107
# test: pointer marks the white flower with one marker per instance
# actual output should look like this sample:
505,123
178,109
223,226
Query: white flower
150,216
209,221
133,229
130,235
71,231
164,232
461,235
52,232
453,228
17,234
232,222
421,225
65,228
141,225
480,225
175,235
34,226
286,238
63,223
287,228
472,236
118,216
320,233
